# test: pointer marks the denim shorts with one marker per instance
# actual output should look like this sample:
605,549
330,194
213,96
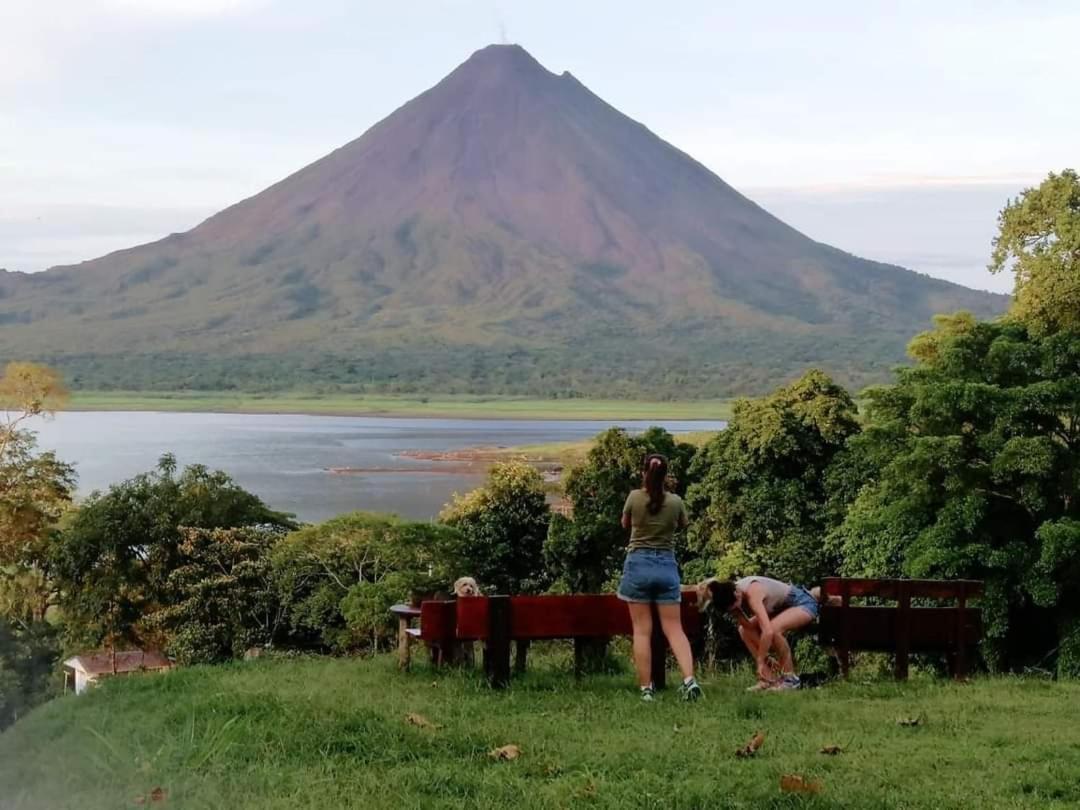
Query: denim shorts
802,598
650,576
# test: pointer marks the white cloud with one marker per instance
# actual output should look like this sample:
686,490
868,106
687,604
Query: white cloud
183,9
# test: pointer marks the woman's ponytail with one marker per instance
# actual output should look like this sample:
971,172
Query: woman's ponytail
655,474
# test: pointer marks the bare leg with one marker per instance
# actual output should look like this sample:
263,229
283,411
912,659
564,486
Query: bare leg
785,622
641,619
671,623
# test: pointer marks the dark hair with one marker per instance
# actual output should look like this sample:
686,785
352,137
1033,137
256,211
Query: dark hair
655,474
723,594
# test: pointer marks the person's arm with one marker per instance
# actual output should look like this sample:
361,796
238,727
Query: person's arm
684,519
626,511
757,605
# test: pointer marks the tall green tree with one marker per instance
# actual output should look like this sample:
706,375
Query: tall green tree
338,579
222,598
760,501
114,557
1039,241
504,525
975,472
585,552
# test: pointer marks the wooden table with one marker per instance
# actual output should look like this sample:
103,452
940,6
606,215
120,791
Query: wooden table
406,614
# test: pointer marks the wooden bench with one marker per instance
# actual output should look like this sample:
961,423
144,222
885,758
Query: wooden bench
499,620
901,628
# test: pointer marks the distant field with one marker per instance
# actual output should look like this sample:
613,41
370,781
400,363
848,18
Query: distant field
322,734
434,406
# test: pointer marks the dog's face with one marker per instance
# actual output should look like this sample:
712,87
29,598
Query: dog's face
466,586
704,595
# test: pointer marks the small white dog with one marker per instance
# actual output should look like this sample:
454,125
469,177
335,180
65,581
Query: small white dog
466,586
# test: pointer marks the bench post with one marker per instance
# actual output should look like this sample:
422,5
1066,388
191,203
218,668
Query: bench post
403,644
960,666
659,652
845,627
903,630
497,651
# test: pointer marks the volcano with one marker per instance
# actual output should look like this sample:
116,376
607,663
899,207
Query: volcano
507,231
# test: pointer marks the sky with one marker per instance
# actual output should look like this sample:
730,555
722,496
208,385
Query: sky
894,133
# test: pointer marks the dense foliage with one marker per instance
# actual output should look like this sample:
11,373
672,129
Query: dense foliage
221,599
114,557
759,504
585,552
503,526
338,579
980,478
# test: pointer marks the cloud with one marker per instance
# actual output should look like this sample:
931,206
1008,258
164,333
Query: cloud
182,9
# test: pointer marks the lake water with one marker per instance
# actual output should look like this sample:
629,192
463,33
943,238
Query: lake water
286,459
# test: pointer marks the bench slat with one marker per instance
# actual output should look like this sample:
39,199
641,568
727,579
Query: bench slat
933,629
917,588
559,616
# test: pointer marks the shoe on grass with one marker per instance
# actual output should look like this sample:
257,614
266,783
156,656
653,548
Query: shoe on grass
648,694
691,691
786,683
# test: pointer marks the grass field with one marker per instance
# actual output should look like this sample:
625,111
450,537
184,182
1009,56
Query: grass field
319,733
434,406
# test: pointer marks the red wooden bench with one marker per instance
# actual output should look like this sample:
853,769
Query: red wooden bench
901,628
499,620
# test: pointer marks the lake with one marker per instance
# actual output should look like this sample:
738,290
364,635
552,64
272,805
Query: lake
285,459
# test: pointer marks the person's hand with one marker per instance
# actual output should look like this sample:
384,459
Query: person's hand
764,672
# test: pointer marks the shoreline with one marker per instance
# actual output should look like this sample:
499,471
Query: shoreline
420,407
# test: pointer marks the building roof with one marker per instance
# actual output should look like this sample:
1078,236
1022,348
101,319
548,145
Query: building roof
100,662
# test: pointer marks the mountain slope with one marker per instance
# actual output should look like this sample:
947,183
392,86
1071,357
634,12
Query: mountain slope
482,237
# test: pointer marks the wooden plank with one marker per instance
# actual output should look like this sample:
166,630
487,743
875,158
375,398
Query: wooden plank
903,631
563,616
960,668
845,635
438,621
497,652
404,642
863,627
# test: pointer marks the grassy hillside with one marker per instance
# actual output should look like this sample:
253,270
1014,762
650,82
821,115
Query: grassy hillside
325,734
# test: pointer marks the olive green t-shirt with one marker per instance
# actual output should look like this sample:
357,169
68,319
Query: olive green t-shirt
654,531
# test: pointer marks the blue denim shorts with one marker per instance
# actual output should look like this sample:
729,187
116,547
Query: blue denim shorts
802,598
650,576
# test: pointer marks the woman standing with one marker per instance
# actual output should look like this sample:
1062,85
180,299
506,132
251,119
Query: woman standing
650,575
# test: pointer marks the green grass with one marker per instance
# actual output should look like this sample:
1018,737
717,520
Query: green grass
319,733
418,406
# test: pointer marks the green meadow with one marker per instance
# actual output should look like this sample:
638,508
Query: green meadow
336,733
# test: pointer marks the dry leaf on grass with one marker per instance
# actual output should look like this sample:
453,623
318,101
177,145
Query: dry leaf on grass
751,747
909,721
156,795
506,752
793,783
420,721
832,750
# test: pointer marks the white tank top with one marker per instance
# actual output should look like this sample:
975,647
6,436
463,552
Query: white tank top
776,593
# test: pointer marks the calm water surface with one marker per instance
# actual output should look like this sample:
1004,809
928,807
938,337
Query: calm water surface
285,459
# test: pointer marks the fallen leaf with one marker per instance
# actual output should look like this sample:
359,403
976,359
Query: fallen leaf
588,790
793,783
909,721
420,721
676,728
157,795
832,750
751,747
506,752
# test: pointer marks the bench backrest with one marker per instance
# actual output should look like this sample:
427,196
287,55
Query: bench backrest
558,616
912,627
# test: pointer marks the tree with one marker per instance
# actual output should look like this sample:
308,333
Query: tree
35,488
221,599
338,579
114,557
503,526
585,552
759,504
1039,240
974,471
